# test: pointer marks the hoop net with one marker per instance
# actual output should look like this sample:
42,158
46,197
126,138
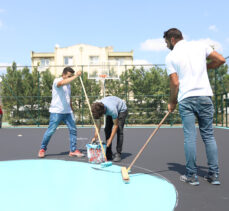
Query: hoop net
103,76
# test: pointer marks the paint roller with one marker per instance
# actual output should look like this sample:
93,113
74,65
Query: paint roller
124,170
106,163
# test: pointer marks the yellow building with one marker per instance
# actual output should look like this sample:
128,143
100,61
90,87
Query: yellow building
95,60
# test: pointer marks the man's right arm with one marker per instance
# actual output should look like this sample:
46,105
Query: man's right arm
216,60
68,80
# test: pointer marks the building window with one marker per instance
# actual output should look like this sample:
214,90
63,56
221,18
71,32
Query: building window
68,60
94,59
44,62
120,61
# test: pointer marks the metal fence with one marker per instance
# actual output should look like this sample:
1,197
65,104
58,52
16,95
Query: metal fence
222,109
148,113
145,107
221,101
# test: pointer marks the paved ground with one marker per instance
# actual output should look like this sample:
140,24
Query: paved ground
164,155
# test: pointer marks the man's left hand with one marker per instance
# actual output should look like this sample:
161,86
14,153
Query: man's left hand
109,142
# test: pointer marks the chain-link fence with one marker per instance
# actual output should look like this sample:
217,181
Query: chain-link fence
221,97
26,95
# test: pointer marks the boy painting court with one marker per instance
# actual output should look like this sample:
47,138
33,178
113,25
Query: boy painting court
61,110
116,112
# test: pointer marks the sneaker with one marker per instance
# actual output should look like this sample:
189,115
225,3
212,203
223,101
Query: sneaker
76,153
41,153
193,180
117,157
212,178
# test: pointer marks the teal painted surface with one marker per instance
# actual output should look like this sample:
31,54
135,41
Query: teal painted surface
54,185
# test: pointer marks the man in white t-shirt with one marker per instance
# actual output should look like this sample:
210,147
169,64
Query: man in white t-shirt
61,110
189,85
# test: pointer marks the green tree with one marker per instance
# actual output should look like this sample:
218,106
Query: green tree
80,106
219,80
117,87
22,94
45,95
149,88
12,88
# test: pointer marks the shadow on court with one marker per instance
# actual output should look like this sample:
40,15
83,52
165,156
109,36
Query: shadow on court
202,170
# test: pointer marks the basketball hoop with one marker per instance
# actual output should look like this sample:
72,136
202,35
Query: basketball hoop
103,76
101,71
104,70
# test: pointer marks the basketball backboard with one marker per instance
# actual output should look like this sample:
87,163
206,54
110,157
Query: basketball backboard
104,70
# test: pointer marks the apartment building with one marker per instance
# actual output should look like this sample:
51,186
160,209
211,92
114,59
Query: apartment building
95,60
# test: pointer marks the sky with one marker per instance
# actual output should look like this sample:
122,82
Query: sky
126,25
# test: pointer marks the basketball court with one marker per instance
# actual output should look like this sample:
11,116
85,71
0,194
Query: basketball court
59,182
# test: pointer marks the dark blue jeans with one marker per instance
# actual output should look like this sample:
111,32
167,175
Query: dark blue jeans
199,107
54,121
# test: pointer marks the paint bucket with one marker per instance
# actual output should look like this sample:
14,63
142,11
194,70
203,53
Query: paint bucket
94,153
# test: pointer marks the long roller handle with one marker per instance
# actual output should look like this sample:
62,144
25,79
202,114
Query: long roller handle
97,131
144,146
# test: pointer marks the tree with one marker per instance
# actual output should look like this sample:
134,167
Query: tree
12,87
80,106
45,95
219,80
22,95
26,94
149,88
145,92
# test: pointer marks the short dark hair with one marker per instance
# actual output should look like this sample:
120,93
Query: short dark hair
173,32
97,110
68,69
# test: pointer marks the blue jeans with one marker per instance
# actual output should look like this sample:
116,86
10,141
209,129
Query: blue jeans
200,107
54,121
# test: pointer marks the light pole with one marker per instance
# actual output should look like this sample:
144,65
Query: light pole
38,81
